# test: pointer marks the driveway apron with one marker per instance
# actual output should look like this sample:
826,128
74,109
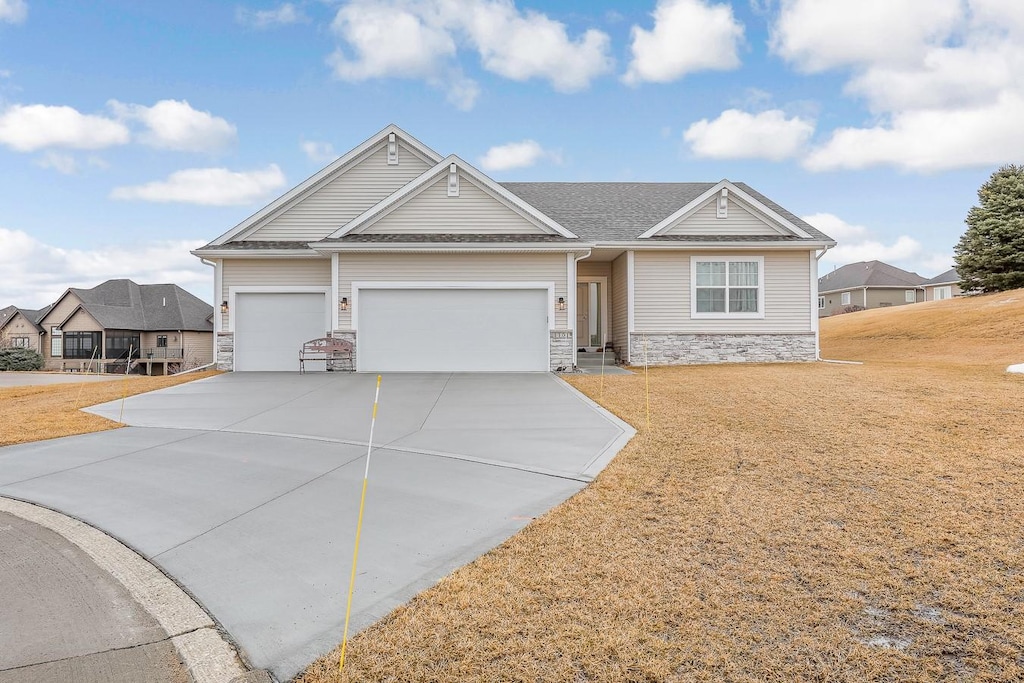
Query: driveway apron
245,488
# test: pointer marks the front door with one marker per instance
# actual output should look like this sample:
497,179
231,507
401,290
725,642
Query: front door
590,325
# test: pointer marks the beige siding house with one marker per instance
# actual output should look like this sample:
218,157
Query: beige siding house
425,263
20,328
162,327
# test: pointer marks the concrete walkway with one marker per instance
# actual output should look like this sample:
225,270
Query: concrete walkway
245,488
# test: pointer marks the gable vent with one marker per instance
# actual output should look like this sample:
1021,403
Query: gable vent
453,181
723,204
392,150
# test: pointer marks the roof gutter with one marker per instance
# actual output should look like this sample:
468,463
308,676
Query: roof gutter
450,248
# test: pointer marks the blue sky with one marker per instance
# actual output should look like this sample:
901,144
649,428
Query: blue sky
131,132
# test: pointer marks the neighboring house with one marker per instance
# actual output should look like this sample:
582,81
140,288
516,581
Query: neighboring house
19,327
867,284
427,264
163,326
944,286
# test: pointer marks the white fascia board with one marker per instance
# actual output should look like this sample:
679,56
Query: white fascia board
733,190
683,245
256,253
449,248
252,222
420,183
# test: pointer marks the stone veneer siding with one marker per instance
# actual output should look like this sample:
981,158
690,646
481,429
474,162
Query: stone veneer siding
560,353
695,349
226,351
345,365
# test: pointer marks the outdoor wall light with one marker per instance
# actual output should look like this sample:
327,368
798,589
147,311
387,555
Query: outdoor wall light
344,303
223,306
561,303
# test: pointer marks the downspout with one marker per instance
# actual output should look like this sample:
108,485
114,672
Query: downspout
216,316
814,304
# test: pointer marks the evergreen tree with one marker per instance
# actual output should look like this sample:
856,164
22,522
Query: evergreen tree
990,255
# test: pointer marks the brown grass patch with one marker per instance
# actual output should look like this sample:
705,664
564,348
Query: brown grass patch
777,523
47,412
983,330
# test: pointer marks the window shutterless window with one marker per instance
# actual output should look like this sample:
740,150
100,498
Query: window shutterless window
821,302
910,296
161,341
56,342
119,342
845,299
727,287
19,342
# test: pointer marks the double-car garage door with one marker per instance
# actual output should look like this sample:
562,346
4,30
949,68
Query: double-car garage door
404,329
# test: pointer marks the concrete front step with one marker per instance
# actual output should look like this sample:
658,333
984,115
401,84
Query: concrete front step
594,360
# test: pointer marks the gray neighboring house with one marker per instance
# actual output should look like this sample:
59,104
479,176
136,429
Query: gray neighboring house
166,328
943,286
425,263
867,284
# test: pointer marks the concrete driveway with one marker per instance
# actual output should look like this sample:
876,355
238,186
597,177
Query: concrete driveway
245,488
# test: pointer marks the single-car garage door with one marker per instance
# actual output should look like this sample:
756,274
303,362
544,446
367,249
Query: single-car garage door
271,327
452,330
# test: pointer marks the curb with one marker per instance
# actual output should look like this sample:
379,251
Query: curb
208,657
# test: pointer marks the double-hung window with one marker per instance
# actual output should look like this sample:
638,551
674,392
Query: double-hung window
727,287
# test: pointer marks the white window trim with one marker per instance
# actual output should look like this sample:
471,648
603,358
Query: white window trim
419,284
910,296
821,303
844,299
727,316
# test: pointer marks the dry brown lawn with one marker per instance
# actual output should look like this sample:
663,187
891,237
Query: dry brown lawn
48,412
776,523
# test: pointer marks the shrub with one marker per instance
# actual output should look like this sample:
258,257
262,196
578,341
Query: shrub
20,359
851,309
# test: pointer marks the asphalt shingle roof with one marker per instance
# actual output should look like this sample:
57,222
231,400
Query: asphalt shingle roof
451,237
944,278
125,305
868,274
623,211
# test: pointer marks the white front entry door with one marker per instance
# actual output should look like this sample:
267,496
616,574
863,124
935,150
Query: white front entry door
452,330
270,328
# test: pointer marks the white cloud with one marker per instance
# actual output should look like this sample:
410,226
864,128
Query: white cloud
524,45
688,36
738,134
930,140
944,85
422,40
516,155
13,11
207,186
283,15
856,243
62,163
35,274
318,151
27,128
175,125
815,35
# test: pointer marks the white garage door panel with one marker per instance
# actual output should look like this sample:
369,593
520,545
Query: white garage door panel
452,330
271,327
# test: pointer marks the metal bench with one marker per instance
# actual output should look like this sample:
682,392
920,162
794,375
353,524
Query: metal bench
326,349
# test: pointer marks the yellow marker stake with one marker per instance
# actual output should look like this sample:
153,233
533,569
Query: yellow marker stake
647,382
359,529
124,395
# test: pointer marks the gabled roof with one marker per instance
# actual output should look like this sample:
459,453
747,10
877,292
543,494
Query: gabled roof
603,212
324,175
950,277
868,274
124,305
33,315
500,193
